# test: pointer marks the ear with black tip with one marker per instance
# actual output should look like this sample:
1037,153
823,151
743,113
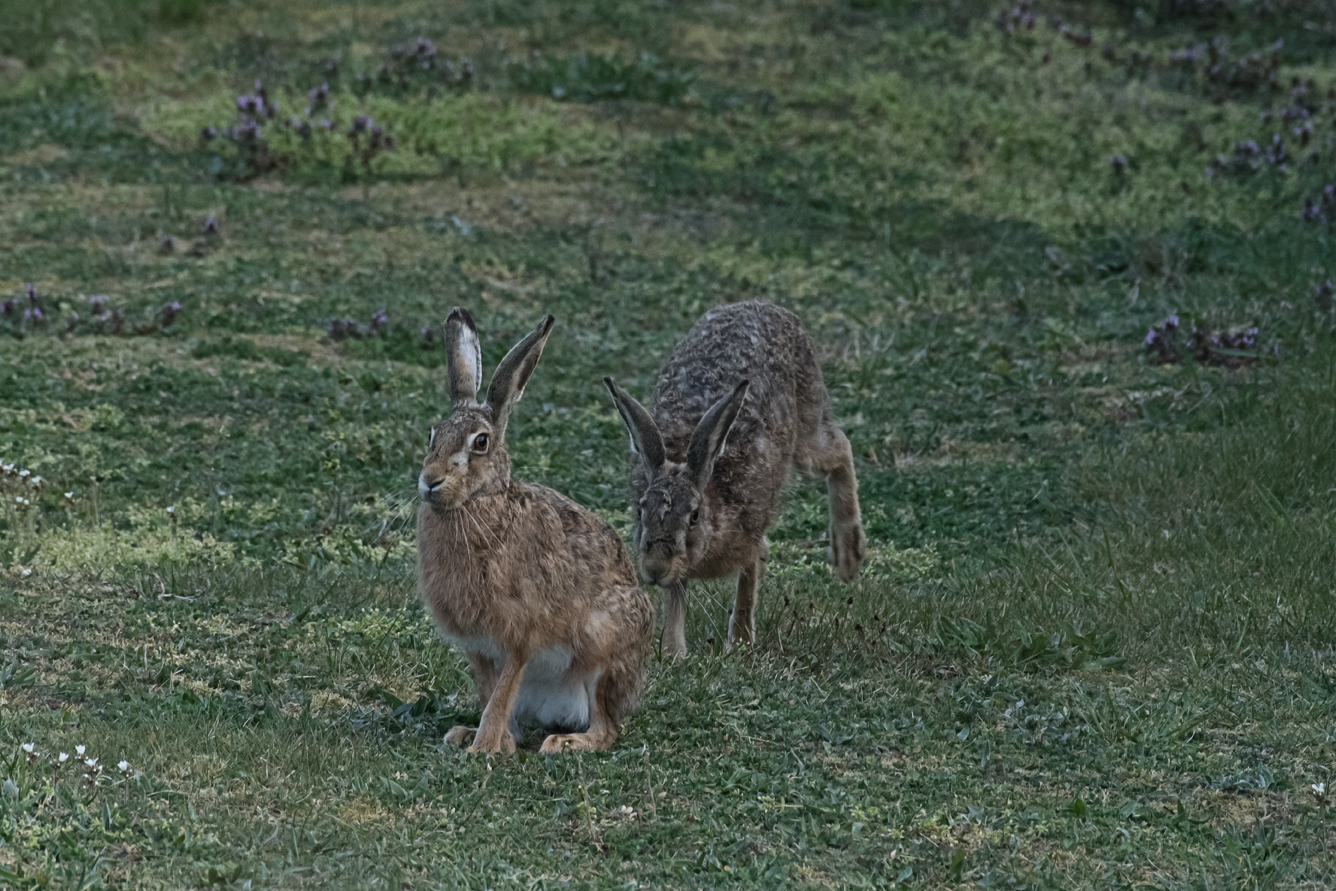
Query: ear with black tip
463,356
711,435
646,441
513,373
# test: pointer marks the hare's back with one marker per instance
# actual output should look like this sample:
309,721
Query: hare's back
759,342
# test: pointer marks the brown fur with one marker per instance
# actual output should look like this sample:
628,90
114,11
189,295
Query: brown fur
538,592
745,377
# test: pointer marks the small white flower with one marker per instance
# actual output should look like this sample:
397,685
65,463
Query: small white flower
24,473
62,757
123,766
27,747
18,499
26,573
37,481
90,763
1319,789
69,494
79,750
171,508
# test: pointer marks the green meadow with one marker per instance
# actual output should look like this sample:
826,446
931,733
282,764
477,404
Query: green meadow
1093,645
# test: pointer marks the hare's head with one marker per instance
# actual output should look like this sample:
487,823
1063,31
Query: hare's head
466,454
672,515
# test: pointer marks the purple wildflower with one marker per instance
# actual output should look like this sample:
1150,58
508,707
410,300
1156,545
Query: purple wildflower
211,225
268,107
97,303
318,97
1162,340
170,312
1322,209
247,131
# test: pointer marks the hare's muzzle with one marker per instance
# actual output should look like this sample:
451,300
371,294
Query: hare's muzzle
429,487
657,563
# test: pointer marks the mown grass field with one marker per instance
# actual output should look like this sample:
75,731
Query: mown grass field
1093,644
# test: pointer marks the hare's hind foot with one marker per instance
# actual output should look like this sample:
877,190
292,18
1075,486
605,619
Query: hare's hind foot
847,546
459,735
577,742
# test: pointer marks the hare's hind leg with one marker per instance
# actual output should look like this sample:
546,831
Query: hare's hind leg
830,456
614,691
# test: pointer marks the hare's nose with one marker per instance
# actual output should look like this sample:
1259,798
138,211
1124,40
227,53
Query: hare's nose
656,562
428,485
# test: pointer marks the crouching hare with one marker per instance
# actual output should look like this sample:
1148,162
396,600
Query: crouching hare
739,402
537,592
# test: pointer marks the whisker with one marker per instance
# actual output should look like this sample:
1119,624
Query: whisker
487,538
463,533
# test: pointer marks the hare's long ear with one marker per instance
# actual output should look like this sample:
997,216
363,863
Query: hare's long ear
512,374
463,355
711,435
646,441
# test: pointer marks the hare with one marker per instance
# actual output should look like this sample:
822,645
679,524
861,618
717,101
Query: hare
739,402
538,593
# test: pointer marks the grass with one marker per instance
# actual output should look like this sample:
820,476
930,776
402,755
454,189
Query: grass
1092,646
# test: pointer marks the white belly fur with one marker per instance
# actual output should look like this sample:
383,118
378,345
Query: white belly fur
550,694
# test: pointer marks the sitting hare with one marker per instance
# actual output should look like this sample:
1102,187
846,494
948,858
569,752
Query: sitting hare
739,402
537,592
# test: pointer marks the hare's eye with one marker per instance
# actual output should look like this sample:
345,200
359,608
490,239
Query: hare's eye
480,442
695,515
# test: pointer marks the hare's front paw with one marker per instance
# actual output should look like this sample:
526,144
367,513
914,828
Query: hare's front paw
674,647
459,735
741,632
846,550
502,744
